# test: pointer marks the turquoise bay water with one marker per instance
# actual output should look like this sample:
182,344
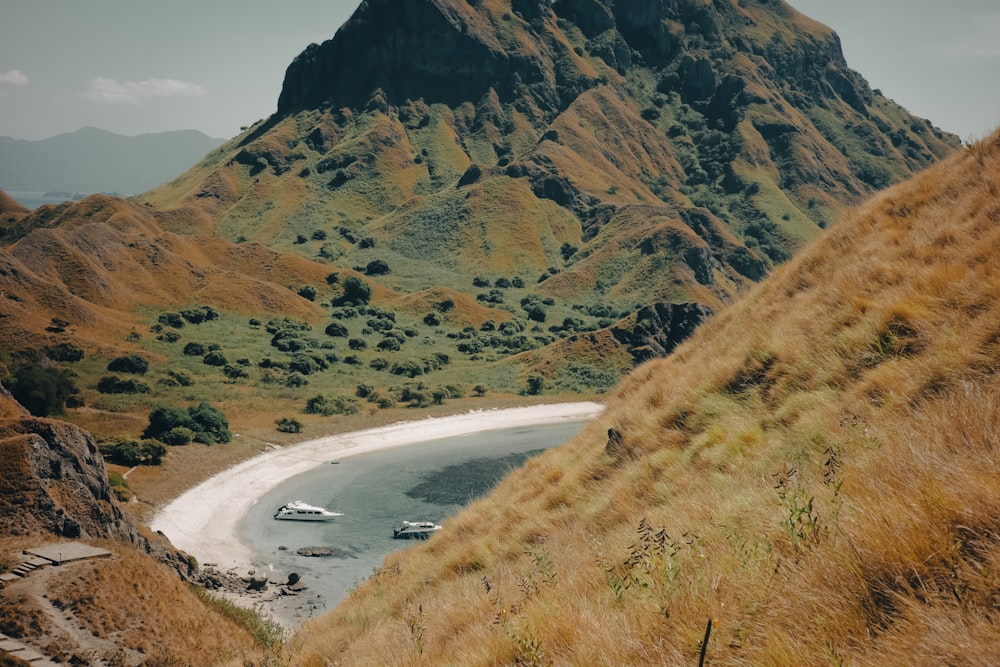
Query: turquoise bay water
427,481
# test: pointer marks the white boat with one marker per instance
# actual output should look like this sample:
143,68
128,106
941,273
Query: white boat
418,529
300,511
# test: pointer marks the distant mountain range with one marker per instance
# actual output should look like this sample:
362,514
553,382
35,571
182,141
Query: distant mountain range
92,160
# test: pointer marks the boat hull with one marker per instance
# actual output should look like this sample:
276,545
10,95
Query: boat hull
420,530
300,511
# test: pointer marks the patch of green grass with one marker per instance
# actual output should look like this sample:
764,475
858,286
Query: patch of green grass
266,632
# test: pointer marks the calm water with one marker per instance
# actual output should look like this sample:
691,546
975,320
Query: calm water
428,481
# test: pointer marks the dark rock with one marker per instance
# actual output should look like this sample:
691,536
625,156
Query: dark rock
55,483
315,552
388,46
654,331
471,175
591,16
257,584
616,443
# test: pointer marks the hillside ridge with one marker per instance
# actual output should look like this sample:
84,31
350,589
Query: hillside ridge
815,469
604,170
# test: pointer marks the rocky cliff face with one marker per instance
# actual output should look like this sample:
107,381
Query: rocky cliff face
615,152
53,482
744,109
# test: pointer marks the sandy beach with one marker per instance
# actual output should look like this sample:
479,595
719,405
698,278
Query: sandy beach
203,520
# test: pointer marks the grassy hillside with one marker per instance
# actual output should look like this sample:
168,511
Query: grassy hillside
546,139
816,470
495,213
125,609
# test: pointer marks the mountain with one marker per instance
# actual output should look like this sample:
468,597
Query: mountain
92,160
814,472
465,200
514,198
699,143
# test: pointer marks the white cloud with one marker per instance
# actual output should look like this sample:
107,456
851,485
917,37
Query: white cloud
110,91
13,77
982,40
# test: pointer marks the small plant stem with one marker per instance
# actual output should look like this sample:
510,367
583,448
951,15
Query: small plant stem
704,642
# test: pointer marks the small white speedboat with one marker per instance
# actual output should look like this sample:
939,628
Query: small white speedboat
300,511
417,529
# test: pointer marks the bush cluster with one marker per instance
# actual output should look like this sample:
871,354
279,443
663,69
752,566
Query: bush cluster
131,452
42,390
205,423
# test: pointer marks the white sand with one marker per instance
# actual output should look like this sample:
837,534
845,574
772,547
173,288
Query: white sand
203,521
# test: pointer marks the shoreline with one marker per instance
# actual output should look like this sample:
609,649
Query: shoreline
203,520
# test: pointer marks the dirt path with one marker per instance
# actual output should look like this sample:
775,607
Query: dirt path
53,630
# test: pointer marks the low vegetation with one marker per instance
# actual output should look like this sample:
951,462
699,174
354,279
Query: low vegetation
812,478
816,471
78,613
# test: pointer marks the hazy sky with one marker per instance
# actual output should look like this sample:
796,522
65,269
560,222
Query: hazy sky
137,66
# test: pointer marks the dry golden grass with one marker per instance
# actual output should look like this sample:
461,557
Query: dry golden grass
817,469
93,609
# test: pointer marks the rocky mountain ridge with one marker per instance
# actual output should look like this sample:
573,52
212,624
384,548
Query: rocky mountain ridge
515,116
503,182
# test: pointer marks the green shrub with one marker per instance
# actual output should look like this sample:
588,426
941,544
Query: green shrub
408,368
304,364
537,313
199,315
356,292
130,363
194,349
286,425
268,633
110,384
181,378
131,452
388,345
178,436
171,320
336,330
376,267
234,372
119,486
338,405
207,424
64,352
42,390
215,358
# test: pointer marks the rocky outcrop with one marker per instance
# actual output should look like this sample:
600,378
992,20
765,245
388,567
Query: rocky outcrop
53,482
747,95
654,331
418,49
